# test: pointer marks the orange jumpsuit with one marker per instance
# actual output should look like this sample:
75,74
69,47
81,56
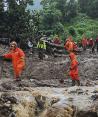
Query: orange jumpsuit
57,41
69,45
18,62
84,43
73,67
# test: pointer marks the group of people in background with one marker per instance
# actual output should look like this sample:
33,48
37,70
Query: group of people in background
89,43
71,48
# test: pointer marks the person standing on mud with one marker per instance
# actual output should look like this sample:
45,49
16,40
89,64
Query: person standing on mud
57,40
41,48
84,43
18,59
73,73
30,46
96,43
92,45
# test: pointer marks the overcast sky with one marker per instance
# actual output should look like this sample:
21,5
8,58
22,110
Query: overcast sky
36,5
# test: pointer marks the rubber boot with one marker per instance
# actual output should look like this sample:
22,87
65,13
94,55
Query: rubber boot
78,82
73,82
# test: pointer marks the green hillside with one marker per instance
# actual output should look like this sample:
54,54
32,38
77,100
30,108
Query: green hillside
73,17
82,24
50,17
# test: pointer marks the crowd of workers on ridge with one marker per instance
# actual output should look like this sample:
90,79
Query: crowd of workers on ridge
18,56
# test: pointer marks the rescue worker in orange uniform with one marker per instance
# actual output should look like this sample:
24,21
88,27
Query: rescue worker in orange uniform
57,40
74,69
92,45
69,45
18,59
84,43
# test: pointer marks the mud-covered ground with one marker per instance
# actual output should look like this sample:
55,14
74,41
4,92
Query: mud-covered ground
51,70
40,92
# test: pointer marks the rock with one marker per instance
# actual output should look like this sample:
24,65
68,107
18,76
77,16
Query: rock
25,108
8,98
58,112
10,85
94,97
12,114
54,100
95,91
86,114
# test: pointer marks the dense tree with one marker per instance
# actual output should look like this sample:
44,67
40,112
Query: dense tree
67,8
16,19
83,6
1,16
56,13
50,16
71,10
93,9
56,17
1,7
89,7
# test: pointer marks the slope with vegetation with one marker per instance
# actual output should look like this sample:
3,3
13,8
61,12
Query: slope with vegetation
61,17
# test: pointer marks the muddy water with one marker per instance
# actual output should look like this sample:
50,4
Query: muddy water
50,102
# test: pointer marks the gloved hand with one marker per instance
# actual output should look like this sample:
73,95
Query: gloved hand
1,57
